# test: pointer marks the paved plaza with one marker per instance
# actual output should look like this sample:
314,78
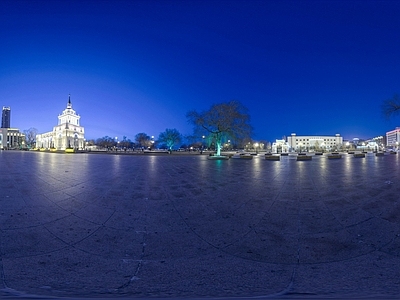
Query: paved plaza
183,226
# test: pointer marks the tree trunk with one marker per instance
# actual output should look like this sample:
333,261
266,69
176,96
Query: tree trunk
218,148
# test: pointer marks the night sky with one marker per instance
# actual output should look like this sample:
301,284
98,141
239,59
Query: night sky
309,67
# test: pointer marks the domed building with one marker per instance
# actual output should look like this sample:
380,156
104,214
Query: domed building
67,134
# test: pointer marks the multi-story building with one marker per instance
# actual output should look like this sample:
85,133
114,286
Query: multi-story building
11,138
5,117
393,138
313,142
67,134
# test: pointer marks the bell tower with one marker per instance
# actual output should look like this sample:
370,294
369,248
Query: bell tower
69,116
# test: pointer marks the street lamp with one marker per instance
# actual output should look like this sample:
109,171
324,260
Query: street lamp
152,142
256,146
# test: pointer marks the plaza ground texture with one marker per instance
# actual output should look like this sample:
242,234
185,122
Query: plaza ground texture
182,226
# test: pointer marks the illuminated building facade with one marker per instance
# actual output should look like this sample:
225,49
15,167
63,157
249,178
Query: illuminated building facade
67,134
280,146
393,138
11,138
313,142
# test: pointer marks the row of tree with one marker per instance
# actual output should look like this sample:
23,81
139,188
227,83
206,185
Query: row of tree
168,139
223,124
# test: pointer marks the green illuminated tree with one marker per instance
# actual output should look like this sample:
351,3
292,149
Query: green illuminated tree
170,137
221,122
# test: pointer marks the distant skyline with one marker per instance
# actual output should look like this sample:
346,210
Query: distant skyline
309,67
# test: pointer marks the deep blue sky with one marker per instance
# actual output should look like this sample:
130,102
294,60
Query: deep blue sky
310,67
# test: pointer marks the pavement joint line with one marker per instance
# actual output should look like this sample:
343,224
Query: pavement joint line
284,195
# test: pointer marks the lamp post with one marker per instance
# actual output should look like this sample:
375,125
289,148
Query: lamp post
256,146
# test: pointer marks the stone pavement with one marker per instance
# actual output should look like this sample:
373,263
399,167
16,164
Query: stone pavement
106,226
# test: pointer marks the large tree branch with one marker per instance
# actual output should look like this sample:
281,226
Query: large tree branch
391,106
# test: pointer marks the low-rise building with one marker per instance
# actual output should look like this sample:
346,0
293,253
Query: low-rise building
280,146
314,142
11,138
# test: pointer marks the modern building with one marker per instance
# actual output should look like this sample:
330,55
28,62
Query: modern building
11,138
67,134
5,117
393,138
311,142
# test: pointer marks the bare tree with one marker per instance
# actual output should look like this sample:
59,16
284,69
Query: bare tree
126,143
391,106
170,137
221,122
91,142
105,142
143,139
30,136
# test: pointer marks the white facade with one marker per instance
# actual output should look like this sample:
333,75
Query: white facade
67,134
393,138
313,142
280,146
11,138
